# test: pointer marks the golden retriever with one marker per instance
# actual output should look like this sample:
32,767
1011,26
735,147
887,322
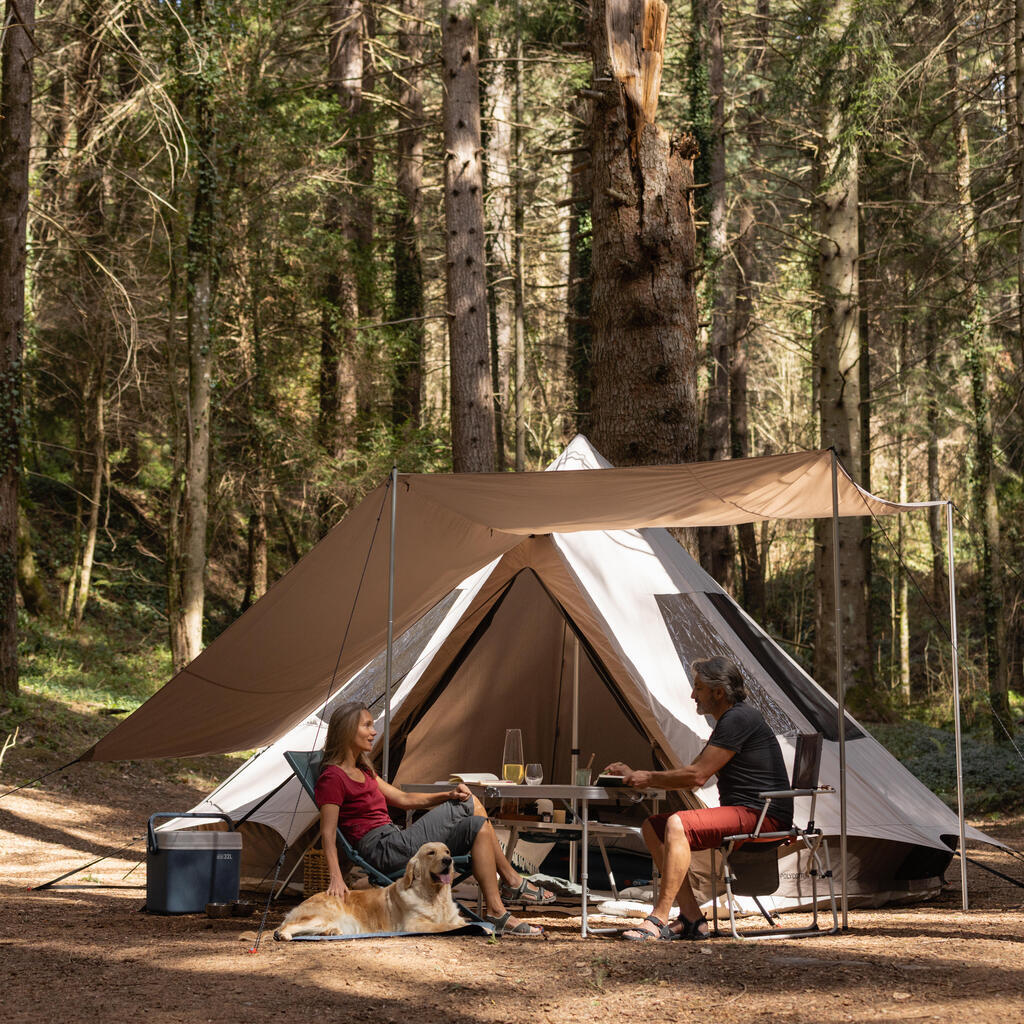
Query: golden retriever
420,901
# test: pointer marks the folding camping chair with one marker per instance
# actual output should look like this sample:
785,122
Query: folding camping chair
306,766
750,862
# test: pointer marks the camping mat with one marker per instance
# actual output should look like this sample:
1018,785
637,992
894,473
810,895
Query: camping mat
472,928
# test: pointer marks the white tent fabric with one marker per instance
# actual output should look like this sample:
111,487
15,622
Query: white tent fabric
497,652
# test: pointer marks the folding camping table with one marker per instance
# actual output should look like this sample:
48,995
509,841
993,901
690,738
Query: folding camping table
570,796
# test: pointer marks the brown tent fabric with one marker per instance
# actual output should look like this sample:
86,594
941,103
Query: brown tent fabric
327,617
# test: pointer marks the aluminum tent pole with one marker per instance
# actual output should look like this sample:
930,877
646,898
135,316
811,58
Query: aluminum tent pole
391,626
840,685
956,704
575,756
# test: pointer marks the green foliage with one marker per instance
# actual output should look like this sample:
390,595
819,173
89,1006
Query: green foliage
993,775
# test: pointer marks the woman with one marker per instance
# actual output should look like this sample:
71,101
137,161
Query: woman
351,797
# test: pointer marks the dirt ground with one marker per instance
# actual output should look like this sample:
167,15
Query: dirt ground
88,954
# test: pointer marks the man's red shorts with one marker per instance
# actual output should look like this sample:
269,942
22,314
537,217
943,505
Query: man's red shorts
708,826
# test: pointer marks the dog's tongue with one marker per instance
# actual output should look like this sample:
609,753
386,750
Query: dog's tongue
446,878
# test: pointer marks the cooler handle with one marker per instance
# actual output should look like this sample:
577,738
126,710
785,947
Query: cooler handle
151,842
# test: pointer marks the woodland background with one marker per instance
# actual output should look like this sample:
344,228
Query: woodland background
241,304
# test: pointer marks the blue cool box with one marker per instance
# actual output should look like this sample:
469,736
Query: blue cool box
187,870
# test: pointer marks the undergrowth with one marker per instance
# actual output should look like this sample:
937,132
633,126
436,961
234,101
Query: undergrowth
993,773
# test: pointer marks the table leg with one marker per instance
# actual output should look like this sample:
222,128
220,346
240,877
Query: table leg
584,858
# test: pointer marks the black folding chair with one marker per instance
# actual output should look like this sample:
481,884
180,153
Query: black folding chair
750,861
306,766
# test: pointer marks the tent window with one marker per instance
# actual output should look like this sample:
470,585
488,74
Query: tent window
367,685
695,636
810,700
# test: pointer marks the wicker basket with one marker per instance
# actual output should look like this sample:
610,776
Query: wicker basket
315,876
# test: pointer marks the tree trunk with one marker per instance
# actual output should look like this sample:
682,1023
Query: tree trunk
33,592
940,585
200,275
748,274
751,567
902,590
983,485
98,432
472,401
15,140
837,354
717,550
409,307
1015,100
644,316
501,234
346,216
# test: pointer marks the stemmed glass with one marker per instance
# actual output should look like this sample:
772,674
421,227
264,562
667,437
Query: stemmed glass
534,774
512,757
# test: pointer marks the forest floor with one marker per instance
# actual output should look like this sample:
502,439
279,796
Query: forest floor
88,954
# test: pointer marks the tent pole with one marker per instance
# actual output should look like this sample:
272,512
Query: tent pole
840,686
575,756
391,625
956,705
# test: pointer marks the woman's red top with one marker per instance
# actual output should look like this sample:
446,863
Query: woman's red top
361,805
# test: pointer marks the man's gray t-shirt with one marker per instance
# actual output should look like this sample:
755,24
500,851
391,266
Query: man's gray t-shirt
756,765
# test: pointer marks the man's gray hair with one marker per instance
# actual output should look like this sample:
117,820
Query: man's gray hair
724,673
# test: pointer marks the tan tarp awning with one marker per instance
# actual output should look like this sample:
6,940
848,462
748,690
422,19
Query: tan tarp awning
327,617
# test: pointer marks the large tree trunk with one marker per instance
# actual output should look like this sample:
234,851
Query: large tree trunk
406,403
644,317
837,354
472,401
15,140
983,483
717,550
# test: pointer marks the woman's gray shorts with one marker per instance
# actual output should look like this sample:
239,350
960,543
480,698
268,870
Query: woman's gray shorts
453,823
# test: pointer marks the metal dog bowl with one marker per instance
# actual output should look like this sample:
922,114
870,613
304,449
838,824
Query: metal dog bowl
220,909
242,908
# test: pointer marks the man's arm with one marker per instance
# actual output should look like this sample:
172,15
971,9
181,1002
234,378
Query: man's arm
691,776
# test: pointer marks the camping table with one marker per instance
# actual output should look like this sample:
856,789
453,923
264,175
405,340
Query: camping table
567,795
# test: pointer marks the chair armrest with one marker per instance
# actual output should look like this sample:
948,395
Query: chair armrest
775,794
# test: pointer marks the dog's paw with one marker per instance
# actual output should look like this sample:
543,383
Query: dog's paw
282,936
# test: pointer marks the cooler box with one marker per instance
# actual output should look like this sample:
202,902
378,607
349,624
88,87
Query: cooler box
187,870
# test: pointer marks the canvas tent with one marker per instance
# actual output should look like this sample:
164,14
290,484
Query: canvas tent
500,581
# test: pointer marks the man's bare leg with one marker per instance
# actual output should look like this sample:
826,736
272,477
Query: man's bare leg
673,857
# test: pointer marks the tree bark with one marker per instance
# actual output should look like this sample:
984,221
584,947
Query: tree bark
644,316
717,548
201,285
472,401
983,484
15,141
33,592
409,304
837,351
349,224
501,235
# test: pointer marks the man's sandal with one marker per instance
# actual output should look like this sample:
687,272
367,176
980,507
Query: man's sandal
522,928
525,892
690,930
663,934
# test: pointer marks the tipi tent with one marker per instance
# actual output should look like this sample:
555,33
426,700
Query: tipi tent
497,650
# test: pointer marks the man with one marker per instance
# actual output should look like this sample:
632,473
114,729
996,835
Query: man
745,755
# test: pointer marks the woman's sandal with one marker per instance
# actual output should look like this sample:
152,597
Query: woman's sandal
690,930
663,934
522,928
524,894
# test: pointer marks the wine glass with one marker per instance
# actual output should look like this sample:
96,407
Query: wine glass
534,774
512,757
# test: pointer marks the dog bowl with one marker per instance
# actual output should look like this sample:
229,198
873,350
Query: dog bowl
220,909
242,908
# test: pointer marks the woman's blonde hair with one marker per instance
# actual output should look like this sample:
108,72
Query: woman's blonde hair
341,734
